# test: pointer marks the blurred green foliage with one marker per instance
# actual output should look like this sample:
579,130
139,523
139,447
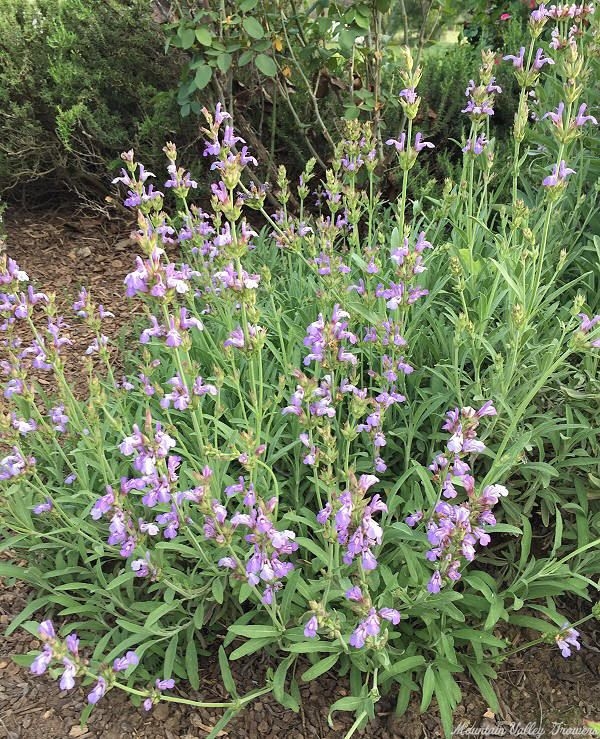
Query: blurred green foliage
80,82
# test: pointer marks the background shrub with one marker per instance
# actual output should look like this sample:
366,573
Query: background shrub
79,82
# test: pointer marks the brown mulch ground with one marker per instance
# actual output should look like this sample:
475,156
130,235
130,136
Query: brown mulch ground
535,689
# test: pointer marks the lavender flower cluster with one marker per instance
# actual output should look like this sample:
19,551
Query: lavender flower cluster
66,653
454,531
265,565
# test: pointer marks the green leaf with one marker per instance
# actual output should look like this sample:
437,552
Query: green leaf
347,38
218,589
256,631
191,663
403,665
362,21
204,36
249,648
187,37
224,61
29,609
226,675
245,57
288,594
247,5
203,76
485,688
159,612
266,65
428,688
445,709
23,660
280,675
122,578
132,627
496,613
253,28
351,112
313,548
483,637
307,647
170,655
323,665
222,723
199,616
349,703
8,570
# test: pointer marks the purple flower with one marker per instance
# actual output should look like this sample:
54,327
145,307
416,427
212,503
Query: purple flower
540,60
398,143
123,663
67,680
311,628
354,593
581,118
200,389
567,638
435,583
41,662
72,643
46,631
477,146
420,144
23,426
143,567
97,692
587,323
235,338
540,14
59,418
44,507
518,60
358,637
390,614
380,465
103,505
487,409
414,518
165,684
409,95
558,176
323,515
14,464
556,116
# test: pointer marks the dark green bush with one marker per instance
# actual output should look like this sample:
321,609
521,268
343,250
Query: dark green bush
79,82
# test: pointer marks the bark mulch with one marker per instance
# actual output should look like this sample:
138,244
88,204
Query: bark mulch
540,693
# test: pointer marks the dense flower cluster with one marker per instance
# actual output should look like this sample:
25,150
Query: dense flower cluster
325,340
157,478
352,519
266,565
453,531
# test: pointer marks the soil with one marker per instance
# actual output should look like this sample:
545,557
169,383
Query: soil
540,692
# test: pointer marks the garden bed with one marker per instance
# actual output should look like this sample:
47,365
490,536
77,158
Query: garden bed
535,689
